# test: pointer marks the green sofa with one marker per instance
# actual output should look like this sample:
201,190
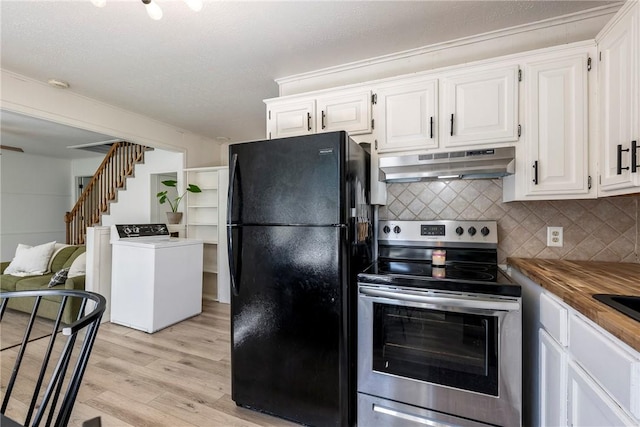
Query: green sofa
49,306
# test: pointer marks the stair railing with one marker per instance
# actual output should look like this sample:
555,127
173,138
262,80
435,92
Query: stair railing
118,164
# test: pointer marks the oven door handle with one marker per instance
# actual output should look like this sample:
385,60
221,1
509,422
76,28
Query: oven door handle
481,304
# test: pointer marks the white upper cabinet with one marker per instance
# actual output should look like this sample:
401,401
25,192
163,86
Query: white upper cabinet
553,159
291,118
618,46
479,107
340,110
406,116
350,112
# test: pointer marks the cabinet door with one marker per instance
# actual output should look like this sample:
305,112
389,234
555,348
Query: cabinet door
589,405
407,117
619,104
556,126
291,119
350,112
553,382
479,108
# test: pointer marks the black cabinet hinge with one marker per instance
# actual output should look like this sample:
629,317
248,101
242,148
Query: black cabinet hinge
269,115
376,144
269,135
600,56
589,182
519,75
373,124
589,64
374,98
519,130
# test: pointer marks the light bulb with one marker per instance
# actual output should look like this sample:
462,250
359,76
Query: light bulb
153,10
195,5
99,3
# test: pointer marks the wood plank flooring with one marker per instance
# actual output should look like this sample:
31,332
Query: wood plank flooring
177,377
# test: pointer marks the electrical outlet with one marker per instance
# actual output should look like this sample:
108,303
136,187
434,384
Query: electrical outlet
554,236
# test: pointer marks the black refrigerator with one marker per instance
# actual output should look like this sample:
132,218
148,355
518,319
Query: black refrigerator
299,230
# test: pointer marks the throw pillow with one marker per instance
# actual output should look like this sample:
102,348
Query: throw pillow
30,260
59,278
78,266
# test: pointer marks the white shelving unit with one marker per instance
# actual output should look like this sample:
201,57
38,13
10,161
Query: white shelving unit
206,220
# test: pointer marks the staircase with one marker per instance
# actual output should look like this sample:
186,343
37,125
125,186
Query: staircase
117,166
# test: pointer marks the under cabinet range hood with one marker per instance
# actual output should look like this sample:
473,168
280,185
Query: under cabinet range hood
468,164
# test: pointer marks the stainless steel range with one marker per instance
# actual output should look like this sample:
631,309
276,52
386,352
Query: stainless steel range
439,329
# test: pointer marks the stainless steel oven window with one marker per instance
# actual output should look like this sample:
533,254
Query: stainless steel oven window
443,347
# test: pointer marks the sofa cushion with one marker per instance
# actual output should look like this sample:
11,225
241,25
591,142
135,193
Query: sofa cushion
33,282
31,260
8,282
60,257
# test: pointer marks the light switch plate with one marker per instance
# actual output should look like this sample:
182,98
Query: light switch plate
554,236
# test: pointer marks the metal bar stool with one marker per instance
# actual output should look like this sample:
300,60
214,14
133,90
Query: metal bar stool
47,404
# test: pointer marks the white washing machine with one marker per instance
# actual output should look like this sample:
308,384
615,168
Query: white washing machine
156,280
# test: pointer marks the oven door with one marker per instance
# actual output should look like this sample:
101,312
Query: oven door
444,351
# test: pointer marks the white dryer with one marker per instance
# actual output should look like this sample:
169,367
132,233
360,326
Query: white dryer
156,280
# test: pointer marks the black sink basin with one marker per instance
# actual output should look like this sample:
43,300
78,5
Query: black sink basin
629,305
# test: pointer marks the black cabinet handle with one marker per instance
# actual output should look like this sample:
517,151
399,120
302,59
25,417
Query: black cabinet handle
634,157
451,124
309,121
535,172
322,121
431,127
619,167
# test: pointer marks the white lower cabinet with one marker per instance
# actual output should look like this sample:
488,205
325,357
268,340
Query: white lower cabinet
580,375
588,405
553,381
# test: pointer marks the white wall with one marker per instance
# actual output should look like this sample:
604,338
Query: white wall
135,204
34,196
37,99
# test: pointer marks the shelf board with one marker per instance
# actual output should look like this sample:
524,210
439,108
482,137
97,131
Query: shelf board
210,270
203,206
210,242
206,224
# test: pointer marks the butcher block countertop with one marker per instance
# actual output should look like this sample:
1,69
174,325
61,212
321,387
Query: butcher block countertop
575,282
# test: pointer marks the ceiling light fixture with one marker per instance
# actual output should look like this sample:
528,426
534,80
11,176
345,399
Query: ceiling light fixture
58,83
153,9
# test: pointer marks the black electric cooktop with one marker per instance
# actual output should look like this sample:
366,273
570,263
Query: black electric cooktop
459,277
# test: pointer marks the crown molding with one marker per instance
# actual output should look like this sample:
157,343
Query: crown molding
497,34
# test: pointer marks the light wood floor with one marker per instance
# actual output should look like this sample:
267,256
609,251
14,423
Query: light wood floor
176,377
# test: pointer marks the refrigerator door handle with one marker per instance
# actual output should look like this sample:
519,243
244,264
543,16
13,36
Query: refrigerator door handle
232,269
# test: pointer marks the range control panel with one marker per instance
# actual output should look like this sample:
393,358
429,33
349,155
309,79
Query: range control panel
129,231
442,231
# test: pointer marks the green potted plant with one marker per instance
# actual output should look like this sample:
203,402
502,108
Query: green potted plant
174,217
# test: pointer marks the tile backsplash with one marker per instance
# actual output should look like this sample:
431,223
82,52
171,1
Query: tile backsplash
603,229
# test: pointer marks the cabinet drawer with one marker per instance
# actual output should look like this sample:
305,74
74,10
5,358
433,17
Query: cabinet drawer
588,405
616,370
553,316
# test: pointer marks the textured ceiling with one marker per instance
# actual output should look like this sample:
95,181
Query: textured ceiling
208,72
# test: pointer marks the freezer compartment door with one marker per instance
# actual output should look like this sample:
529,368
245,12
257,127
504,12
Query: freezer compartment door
289,352
288,181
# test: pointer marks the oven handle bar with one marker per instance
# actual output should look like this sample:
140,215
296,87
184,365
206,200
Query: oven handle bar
409,417
443,301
